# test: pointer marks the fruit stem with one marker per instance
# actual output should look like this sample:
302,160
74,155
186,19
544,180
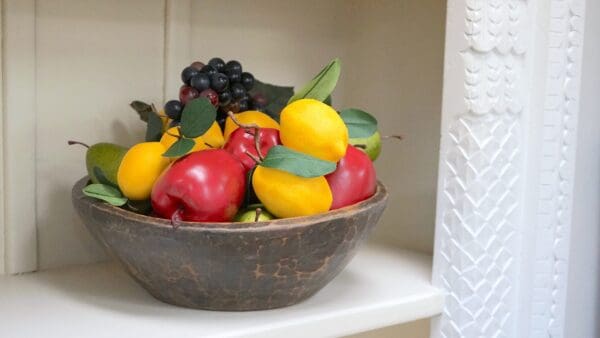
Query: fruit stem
253,157
258,212
254,126
398,137
176,218
209,145
77,142
176,136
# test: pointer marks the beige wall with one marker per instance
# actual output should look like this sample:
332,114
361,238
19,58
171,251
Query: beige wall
394,69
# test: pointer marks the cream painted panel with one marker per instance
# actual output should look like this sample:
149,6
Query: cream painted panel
93,58
18,77
2,198
178,28
394,70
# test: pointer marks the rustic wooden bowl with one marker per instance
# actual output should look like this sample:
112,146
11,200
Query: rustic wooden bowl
231,266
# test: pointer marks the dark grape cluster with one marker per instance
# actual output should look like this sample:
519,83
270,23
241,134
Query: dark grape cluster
225,84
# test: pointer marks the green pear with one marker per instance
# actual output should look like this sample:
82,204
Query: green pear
372,145
102,161
249,214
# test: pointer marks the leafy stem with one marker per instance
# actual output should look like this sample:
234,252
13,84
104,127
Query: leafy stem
247,127
171,134
77,142
258,213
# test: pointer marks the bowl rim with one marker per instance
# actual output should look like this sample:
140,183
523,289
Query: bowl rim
380,196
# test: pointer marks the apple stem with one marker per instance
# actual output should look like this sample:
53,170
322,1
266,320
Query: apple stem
209,145
398,137
176,218
77,142
249,126
258,213
253,157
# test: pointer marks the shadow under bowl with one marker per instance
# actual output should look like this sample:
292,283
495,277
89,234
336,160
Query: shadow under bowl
231,266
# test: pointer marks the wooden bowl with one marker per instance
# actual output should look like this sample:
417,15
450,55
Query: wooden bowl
231,266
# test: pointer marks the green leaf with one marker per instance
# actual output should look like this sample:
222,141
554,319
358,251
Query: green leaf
105,193
142,108
180,148
328,100
277,97
197,117
154,128
360,123
286,159
322,85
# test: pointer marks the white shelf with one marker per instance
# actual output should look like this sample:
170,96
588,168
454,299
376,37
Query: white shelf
380,287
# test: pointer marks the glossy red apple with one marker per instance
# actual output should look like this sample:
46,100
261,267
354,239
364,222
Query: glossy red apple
242,141
204,186
354,179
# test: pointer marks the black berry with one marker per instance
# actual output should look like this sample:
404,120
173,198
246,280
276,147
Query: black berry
237,91
219,82
187,73
233,66
234,77
225,98
210,70
247,80
217,63
200,81
173,109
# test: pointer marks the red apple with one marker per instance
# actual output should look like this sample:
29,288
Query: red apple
204,186
242,141
353,180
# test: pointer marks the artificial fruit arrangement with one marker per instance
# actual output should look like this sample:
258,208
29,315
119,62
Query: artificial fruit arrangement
235,149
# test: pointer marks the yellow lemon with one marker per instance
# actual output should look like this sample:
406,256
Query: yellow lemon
287,195
139,169
314,128
213,136
251,116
